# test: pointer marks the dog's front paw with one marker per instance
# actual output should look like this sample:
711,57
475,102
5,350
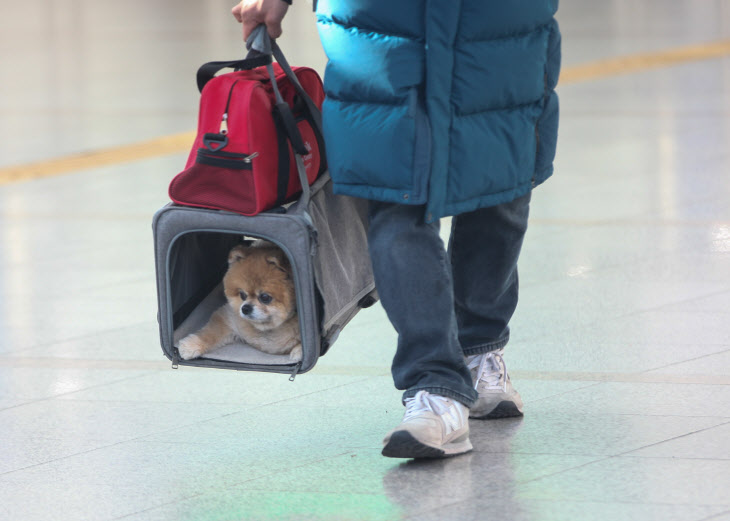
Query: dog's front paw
190,347
296,353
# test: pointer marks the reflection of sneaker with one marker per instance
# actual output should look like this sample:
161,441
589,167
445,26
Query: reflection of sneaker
433,427
497,397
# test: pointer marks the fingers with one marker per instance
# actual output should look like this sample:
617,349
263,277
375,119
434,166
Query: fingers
252,13
236,12
249,24
273,25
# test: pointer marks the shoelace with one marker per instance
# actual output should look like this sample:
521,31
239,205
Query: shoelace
491,370
422,402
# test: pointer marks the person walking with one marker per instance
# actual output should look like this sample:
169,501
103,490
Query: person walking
434,109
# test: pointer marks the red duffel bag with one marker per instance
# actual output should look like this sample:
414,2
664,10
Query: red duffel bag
255,127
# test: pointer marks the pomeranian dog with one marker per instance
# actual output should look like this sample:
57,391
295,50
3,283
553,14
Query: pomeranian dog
261,308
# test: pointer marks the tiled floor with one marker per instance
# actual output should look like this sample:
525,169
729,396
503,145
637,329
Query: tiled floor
621,343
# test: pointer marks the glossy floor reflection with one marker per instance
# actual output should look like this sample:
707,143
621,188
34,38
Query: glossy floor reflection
621,343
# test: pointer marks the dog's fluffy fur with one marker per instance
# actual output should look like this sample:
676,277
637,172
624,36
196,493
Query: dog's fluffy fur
261,309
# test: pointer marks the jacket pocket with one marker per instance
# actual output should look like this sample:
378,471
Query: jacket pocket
372,149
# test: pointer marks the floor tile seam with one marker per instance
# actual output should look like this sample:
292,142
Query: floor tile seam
644,219
91,335
55,397
204,403
82,364
598,459
675,438
673,458
68,456
110,445
234,413
218,492
555,344
418,515
721,419
338,386
716,516
598,501
22,402
673,364
724,421
273,473
642,257
645,310
593,323
643,377
553,396
717,293
352,447
602,270
648,220
186,497
356,374
498,493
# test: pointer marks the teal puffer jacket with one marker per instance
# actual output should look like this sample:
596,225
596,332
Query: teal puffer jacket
447,103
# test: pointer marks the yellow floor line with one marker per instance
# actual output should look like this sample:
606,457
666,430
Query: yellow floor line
178,143
644,61
152,148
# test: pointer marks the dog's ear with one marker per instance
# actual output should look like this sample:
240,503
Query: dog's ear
238,253
280,264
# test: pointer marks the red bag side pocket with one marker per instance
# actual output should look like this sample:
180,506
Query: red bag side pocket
200,185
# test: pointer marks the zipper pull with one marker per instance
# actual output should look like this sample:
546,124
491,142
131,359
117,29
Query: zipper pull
249,157
224,125
295,371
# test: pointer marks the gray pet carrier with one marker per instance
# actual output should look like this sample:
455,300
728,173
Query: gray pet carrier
325,242
323,235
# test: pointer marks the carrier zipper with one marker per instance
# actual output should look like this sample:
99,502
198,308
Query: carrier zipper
224,123
295,371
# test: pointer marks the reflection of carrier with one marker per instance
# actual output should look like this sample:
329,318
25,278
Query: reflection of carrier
324,237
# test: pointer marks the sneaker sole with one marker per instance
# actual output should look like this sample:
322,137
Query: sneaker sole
503,410
402,444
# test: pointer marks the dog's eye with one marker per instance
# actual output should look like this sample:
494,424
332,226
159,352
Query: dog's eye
265,298
243,295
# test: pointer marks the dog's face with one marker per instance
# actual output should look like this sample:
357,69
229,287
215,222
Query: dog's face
259,286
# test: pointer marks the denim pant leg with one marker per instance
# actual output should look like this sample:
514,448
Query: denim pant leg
484,247
413,277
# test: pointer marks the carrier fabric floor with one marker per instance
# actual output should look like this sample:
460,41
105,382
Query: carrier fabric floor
621,343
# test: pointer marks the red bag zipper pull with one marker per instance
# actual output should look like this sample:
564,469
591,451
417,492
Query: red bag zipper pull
224,123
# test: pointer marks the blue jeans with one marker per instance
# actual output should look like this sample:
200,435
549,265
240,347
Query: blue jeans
446,304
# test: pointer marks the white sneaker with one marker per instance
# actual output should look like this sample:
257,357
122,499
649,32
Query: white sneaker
432,427
497,397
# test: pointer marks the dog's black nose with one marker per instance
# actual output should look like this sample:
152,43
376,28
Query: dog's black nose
247,309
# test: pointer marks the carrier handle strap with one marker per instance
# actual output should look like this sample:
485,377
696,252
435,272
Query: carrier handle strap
260,41
207,71
311,107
